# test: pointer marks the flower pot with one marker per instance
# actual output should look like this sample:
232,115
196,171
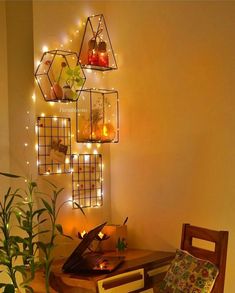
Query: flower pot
56,92
68,93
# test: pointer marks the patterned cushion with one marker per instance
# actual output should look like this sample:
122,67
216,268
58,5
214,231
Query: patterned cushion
188,274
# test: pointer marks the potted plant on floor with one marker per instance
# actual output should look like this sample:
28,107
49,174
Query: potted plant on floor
30,220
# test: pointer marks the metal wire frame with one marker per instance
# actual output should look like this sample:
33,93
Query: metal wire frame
39,75
95,33
87,181
103,92
51,129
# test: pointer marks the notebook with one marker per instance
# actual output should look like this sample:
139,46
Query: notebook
81,261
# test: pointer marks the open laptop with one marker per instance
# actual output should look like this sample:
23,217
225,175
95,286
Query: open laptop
81,261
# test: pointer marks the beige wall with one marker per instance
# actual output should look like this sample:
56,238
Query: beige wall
175,162
4,129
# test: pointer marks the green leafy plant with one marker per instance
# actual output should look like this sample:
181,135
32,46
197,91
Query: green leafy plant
9,249
73,78
30,220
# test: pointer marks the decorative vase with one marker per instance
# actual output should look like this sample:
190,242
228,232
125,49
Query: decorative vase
56,92
93,58
103,54
68,93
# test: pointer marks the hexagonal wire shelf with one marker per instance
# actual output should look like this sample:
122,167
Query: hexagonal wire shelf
96,51
97,116
60,76
54,145
87,181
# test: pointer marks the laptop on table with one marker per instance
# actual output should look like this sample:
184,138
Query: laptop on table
81,261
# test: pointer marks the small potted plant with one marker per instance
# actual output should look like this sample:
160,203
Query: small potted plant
73,82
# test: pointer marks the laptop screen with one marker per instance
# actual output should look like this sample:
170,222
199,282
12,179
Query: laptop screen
82,247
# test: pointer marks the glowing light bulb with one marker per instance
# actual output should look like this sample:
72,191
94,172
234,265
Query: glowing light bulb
27,162
44,49
87,157
26,127
25,144
67,161
42,114
38,62
88,145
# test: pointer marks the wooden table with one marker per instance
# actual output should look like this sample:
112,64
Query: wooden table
150,261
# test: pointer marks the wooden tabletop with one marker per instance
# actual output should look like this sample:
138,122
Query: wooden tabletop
134,259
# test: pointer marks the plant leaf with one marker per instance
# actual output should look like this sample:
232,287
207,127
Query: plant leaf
59,228
10,175
80,208
47,206
9,289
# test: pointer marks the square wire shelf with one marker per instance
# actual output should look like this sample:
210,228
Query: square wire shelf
87,181
54,145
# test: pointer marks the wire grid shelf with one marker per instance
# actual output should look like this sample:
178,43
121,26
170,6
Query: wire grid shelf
87,181
54,145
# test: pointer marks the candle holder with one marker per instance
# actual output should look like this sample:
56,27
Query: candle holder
60,76
96,51
82,235
98,116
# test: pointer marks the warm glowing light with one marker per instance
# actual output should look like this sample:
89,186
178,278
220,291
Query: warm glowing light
101,235
44,49
98,145
36,147
25,144
55,118
38,62
27,162
67,161
83,233
42,114
26,127
38,162
75,157
88,145
59,170
95,152
36,128
52,103
33,97
87,158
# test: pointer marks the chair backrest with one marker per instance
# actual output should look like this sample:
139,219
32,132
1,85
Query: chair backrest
218,256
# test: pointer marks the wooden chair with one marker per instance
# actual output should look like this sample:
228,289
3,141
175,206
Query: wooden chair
218,256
